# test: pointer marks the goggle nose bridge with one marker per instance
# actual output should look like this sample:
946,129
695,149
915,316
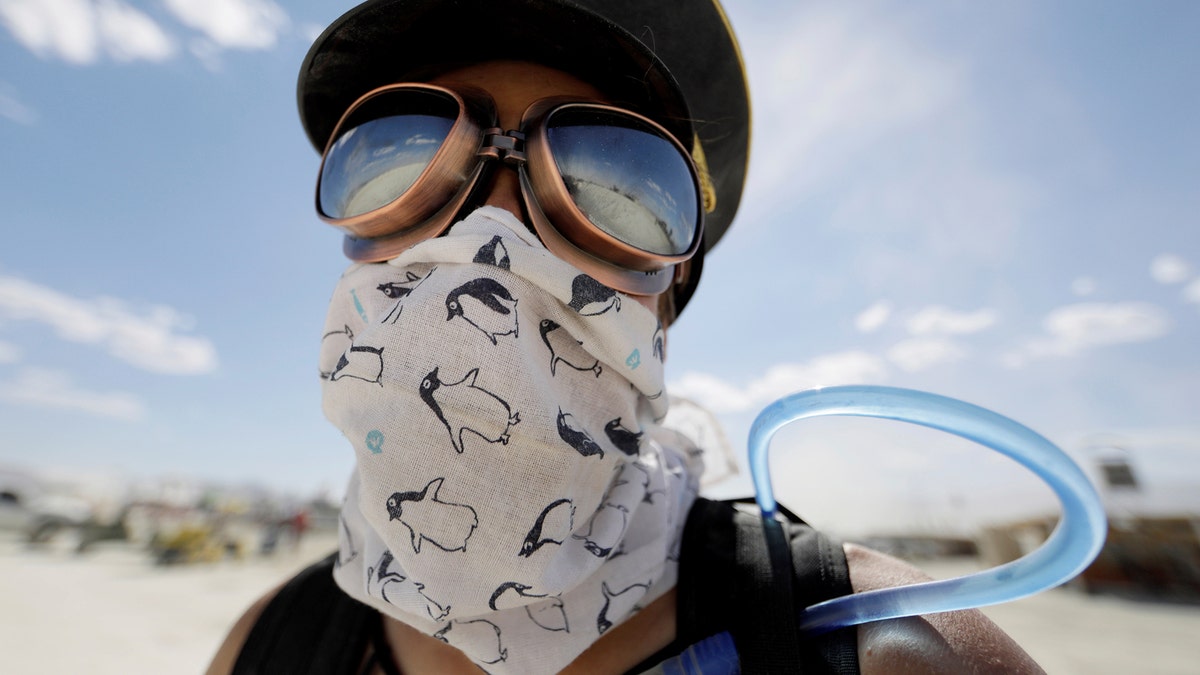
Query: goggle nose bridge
507,147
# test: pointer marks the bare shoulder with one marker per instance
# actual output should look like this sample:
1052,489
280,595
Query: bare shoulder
950,642
227,654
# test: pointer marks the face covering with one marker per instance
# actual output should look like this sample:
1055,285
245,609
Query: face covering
513,494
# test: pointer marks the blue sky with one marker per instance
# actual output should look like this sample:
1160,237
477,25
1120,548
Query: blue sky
994,202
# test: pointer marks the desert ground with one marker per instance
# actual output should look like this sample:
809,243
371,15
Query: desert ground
112,611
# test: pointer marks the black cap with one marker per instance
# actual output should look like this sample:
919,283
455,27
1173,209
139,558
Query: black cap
677,62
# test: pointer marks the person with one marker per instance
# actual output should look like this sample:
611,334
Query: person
528,189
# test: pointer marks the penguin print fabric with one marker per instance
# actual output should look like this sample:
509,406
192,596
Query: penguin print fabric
513,495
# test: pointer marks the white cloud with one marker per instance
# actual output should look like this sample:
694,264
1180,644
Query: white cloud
80,31
1016,358
9,353
1083,286
937,320
1169,269
12,108
233,24
917,354
54,389
83,31
131,35
1088,324
311,31
857,101
873,317
712,392
1075,328
207,52
719,396
63,28
148,340
826,85
1191,292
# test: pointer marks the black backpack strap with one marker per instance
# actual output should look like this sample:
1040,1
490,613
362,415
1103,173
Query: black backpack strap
821,573
764,561
730,579
310,626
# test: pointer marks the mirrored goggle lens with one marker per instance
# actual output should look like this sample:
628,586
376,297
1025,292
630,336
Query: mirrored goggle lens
381,150
626,178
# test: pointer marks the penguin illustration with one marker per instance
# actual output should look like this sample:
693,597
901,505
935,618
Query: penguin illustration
500,597
399,290
626,440
553,525
360,362
575,437
652,494
590,297
381,576
628,488
566,349
674,474
490,415
659,352
446,525
486,305
620,604
493,253
335,342
605,530
476,632
618,551
385,577
548,614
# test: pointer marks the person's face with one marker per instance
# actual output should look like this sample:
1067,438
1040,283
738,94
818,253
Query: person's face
514,85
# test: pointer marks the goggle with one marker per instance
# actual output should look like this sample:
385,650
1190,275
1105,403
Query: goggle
607,190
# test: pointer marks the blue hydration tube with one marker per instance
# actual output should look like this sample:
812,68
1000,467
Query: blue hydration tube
1075,542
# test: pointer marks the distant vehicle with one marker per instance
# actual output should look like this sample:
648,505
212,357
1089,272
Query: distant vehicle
13,513
27,507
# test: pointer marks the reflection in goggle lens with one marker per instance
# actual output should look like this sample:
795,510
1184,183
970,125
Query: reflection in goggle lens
626,178
374,162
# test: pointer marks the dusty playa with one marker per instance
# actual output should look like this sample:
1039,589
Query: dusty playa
112,612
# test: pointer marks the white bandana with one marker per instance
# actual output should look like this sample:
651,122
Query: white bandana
510,497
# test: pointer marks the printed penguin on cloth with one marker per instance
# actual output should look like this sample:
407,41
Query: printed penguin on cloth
514,495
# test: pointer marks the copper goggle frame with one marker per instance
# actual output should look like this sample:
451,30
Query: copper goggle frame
443,189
